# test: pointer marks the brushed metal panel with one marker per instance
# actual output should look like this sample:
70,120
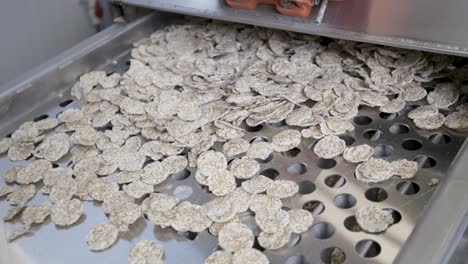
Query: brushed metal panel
430,25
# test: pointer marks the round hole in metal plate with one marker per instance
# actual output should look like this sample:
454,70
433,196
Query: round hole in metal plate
388,116
148,160
278,124
395,215
372,134
268,159
297,169
306,187
257,245
335,181
165,185
425,161
309,103
464,84
312,145
344,201
429,86
410,107
323,230
240,181
299,259
362,120
326,163
314,206
270,173
376,194
205,189
41,117
254,129
368,248
183,192
258,139
108,126
399,128
181,175
411,144
463,97
216,248
333,255
407,187
294,240
351,224
349,140
383,151
248,219
189,235
440,138
291,153
232,159
65,103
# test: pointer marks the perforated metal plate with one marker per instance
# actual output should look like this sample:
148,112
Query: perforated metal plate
328,188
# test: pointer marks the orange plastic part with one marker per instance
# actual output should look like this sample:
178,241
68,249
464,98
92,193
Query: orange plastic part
298,8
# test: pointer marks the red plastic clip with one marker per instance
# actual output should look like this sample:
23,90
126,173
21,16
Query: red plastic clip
298,8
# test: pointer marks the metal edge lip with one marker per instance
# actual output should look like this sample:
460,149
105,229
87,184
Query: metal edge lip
288,23
57,70
443,222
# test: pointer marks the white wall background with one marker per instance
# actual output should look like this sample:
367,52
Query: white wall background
32,31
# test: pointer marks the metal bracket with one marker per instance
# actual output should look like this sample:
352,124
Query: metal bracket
125,13
321,12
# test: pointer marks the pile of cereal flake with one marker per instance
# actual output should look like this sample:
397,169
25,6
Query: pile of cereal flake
194,85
